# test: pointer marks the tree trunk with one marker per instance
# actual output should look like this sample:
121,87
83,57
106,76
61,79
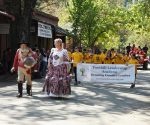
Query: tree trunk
20,28
14,8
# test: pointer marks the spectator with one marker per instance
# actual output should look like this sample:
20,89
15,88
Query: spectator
128,48
145,48
43,62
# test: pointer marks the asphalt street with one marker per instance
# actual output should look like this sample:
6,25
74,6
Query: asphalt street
89,104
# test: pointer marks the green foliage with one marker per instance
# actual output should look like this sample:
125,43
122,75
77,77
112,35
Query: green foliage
92,20
51,6
104,23
139,24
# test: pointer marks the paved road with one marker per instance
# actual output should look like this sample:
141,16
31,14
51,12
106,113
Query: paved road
89,104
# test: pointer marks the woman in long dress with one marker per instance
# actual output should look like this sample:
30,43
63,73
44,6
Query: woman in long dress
57,81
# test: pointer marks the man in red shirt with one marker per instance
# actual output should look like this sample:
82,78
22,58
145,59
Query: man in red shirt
24,71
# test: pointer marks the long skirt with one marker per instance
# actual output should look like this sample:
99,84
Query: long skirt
57,81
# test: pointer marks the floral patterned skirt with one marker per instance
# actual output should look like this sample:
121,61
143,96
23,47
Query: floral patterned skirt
57,81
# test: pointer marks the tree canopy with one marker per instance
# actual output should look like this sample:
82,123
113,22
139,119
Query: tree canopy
103,23
108,23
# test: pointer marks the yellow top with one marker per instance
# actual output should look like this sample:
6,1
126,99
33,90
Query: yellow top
88,58
119,59
102,57
113,54
134,61
77,57
69,54
96,59
107,61
126,58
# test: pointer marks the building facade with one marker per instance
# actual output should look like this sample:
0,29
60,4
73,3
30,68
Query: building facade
44,29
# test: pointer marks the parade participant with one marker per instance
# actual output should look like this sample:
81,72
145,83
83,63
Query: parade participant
103,56
134,50
23,62
77,57
134,61
145,48
119,59
108,59
96,58
113,55
88,56
125,57
57,80
128,48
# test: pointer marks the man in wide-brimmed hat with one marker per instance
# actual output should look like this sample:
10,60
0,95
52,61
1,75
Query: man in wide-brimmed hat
23,62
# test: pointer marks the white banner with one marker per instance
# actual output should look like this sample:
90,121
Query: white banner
44,30
107,73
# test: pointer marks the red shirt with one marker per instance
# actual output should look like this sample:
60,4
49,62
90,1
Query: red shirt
18,61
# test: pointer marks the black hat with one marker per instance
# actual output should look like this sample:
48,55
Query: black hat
23,39
23,42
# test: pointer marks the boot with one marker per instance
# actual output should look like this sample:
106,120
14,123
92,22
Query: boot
29,91
20,89
132,85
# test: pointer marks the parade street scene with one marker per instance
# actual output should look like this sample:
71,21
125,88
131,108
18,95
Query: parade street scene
75,62
89,104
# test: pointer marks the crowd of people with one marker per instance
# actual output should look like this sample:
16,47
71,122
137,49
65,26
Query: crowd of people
105,56
89,55
112,56
57,64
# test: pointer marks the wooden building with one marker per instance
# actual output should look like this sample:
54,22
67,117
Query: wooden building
44,29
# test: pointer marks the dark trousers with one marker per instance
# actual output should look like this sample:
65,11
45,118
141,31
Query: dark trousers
43,67
75,73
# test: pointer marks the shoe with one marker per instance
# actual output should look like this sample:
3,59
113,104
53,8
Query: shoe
20,89
132,85
19,95
29,92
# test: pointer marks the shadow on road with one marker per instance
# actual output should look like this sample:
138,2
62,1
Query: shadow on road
87,100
